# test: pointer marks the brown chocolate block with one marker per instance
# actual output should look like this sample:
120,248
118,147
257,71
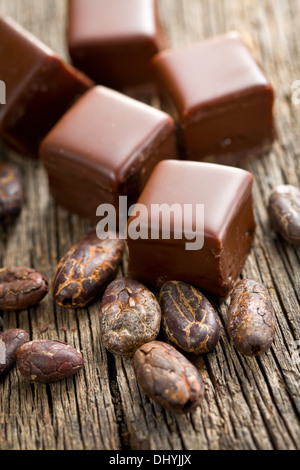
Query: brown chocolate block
229,226
113,41
40,87
223,99
104,147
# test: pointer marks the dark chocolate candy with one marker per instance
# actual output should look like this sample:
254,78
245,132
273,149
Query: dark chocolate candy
223,99
105,146
229,225
40,87
113,41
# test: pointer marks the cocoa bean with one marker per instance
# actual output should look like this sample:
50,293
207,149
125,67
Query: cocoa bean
168,377
47,361
251,318
10,341
86,270
11,191
21,288
189,320
284,211
129,316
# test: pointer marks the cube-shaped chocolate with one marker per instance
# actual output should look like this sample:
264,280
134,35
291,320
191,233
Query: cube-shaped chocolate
113,41
104,147
174,192
223,99
40,87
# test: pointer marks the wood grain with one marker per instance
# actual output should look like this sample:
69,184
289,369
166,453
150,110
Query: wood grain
250,403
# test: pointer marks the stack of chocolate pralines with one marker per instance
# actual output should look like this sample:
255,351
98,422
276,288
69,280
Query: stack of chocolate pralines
98,144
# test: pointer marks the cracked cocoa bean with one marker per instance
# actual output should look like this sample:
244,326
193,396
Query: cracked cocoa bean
284,211
168,377
21,288
129,316
11,191
10,341
189,320
46,361
86,270
251,318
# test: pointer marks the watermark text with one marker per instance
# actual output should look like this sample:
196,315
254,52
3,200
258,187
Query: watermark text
159,222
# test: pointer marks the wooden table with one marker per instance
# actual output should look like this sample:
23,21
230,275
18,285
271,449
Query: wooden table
250,403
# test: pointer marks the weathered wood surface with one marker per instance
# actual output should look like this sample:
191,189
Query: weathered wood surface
250,403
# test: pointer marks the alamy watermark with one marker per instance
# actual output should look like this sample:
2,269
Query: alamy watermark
2,92
161,221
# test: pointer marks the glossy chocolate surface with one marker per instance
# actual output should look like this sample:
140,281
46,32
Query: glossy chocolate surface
223,99
40,87
113,41
106,146
228,226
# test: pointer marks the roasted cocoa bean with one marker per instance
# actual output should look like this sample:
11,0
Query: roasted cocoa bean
21,288
10,341
86,270
129,316
47,361
284,211
251,318
11,191
189,320
168,377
